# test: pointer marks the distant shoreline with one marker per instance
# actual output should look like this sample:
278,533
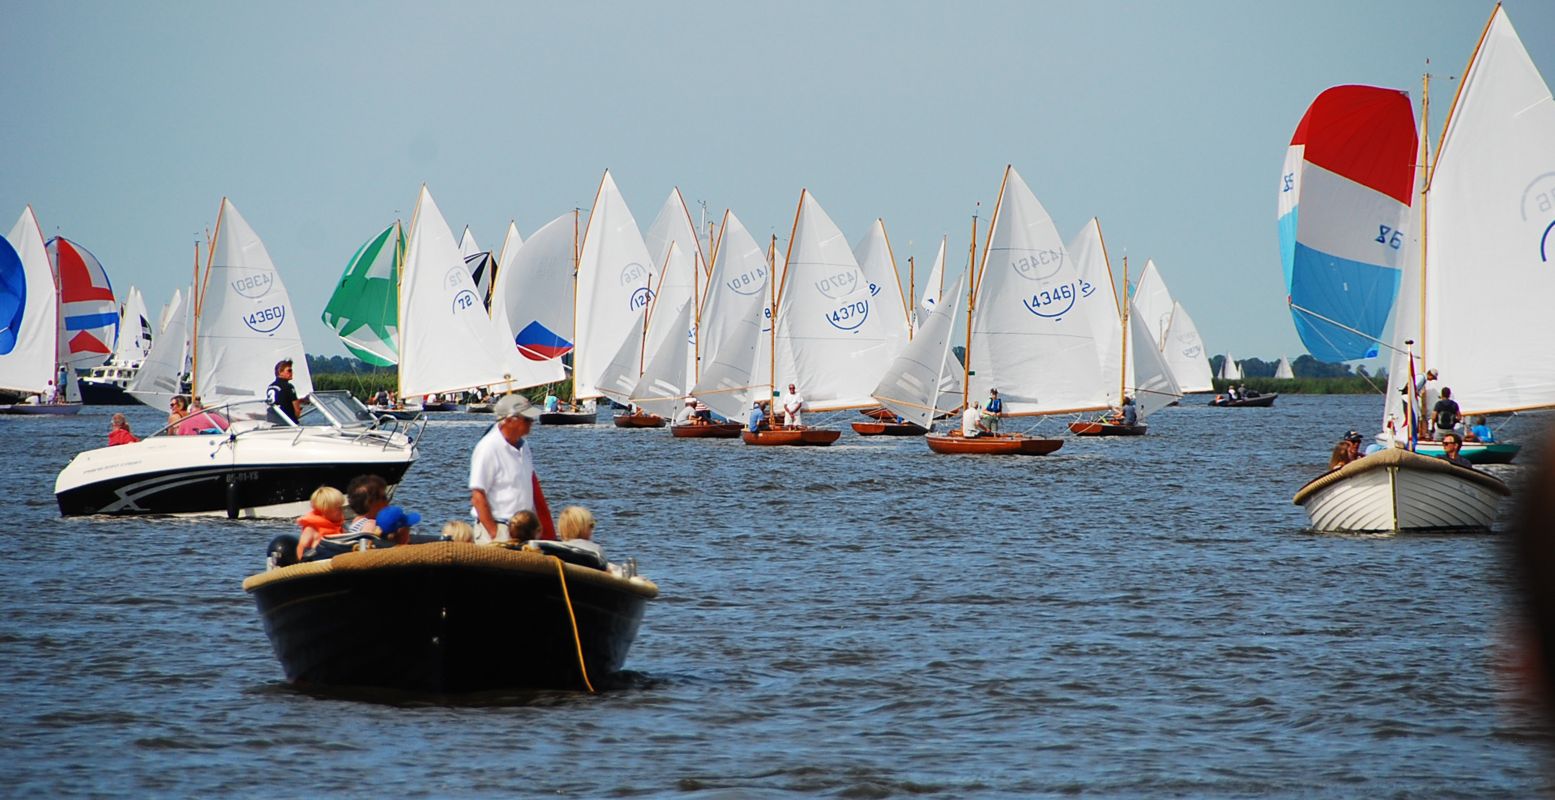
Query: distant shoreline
1346,385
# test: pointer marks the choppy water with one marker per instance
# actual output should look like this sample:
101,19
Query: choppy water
1133,617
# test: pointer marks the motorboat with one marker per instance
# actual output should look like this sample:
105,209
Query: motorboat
108,385
418,617
1397,491
241,460
1261,401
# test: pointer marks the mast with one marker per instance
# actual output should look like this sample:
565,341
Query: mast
574,390
1425,185
772,303
642,355
200,281
971,294
912,291
1123,362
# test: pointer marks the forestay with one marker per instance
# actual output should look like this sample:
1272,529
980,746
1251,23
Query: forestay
1344,199
1491,229
615,280
447,343
926,377
837,325
1032,332
247,322
28,305
364,310
732,322
532,297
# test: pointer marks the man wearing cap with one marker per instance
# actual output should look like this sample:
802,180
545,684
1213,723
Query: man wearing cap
502,473
281,395
686,413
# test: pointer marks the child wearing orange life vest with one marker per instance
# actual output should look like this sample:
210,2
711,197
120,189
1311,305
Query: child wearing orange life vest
326,518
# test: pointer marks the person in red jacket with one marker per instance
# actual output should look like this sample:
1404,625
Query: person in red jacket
120,432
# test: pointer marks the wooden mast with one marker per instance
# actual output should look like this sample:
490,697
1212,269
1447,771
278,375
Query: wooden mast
1425,134
573,391
1123,362
199,289
971,287
912,294
772,303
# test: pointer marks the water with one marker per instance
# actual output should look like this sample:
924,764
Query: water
1129,617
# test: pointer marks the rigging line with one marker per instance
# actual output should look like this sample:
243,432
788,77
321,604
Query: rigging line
1366,377
1309,312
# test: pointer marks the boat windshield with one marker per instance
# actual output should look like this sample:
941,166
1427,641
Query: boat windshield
338,408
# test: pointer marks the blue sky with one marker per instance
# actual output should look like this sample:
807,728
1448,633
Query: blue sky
129,122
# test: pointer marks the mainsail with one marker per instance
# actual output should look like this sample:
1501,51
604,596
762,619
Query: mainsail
1173,332
532,297
88,315
447,342
135,330
926,377
1229,369
732,322
934,285
667,373
672,243
1344,202
615,280
246,321
1283,370
161,375
364,310
28,305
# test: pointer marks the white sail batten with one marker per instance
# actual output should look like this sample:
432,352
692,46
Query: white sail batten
926,377
247,323
31,336
615,280
732,323
1032,334
447,342
837,326
532,298
1491,223
160,376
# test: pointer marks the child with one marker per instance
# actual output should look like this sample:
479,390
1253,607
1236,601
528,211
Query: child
458,531
576,528
523,527
324,519
394,523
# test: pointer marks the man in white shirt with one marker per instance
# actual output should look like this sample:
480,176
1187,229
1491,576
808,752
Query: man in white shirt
502,473
686,413
793,408
972,421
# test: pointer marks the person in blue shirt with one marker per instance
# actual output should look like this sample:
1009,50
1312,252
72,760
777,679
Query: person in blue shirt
756,416
1128,413
993,411
1480,432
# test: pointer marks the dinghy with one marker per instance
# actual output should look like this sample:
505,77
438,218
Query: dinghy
638,420
419,618
707,430
1261,401
889,428
1395,490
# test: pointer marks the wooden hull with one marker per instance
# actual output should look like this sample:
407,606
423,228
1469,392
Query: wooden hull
1396,491
639,421
1476,452
569,417
1106,429
712,430
888,429
791,437
430,618
1004,444
1261,401
43,409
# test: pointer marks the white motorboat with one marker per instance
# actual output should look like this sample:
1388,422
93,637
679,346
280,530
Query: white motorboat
1396,490
239,461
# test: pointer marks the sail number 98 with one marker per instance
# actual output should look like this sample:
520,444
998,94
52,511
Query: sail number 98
1390,237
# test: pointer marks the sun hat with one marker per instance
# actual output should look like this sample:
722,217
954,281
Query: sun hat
515,405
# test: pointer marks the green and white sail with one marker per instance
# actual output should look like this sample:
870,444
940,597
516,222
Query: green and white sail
364,310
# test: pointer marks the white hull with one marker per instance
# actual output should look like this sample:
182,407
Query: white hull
1399,494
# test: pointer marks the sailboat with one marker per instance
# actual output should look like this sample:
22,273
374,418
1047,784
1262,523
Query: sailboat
1173,331
29,308
1144,379
108,384
162,375
926,378
1030,327
667,361
1282,371
1481,221
244,460
1230,370
874,256
730,330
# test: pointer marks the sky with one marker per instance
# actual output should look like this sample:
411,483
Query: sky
128,122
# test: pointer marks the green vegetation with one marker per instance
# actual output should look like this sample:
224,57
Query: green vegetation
363,381
1353,384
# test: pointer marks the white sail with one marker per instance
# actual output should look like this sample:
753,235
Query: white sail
247,323
467,244
1229,369
1283,371
615,280
1490,228
160,376
926,377
1089,253
665,381
732,322
672,243
840,326
511,241
1154,303
874,257
135,330
29,333
1406,305
532,299
1183,349
934,285
1150,379
447,343
1032,334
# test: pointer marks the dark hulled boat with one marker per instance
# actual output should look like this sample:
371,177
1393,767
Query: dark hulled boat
888,428
431,618
1261,401
588,417
1100,428
708,430
1001,444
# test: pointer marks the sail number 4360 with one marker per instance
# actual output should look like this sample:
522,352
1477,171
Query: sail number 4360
1391,237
